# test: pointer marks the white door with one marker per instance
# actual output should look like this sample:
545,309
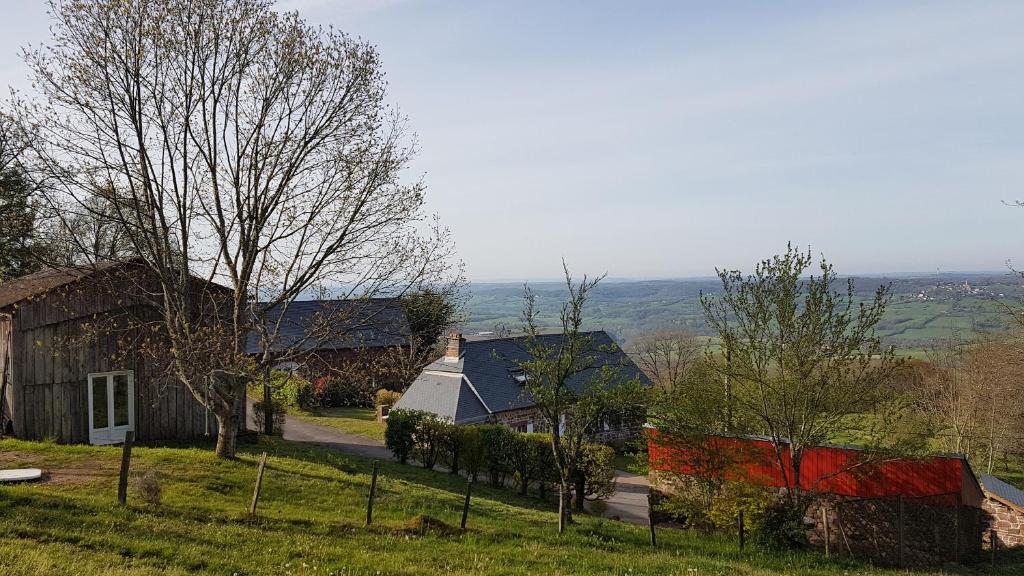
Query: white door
111,406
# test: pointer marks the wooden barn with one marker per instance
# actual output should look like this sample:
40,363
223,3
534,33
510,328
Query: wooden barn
71,368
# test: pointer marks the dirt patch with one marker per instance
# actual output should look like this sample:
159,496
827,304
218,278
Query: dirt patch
421,525
77,473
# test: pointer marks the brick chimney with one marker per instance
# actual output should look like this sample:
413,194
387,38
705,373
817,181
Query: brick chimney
451,354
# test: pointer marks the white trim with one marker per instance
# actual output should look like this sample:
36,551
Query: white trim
473,388
110,434
439,373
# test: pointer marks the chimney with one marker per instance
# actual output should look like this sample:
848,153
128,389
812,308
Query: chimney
452,352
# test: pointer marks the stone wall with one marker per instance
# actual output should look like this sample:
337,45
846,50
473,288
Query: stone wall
934,530
1008,523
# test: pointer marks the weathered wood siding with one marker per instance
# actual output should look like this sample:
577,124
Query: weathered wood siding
51,362
6,383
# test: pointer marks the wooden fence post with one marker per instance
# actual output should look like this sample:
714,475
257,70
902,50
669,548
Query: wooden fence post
650,519
259,484
465,505
373,490
899,531
126,460
824,523
741,527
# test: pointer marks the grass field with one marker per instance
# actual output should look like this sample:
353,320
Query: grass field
311,521
358,421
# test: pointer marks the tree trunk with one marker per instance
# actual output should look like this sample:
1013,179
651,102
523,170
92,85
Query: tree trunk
564,505
227,434
581,486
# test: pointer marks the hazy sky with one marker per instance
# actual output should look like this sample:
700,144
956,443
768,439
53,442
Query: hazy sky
649,139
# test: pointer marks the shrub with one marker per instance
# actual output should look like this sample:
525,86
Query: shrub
400,433
149,489
470,450
289,389
260,415
498,446
431,436
734,497
595,474
344,392
781,528
528,460
385,397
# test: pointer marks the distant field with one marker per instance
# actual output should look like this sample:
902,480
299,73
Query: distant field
923,311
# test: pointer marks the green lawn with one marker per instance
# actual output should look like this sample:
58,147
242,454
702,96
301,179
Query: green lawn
311,521
358,421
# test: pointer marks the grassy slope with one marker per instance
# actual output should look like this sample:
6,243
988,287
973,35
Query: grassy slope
311,522
358,421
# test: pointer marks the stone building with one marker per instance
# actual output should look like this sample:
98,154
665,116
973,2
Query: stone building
477,380
1005,507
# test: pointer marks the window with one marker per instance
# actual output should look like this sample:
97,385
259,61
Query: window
111,406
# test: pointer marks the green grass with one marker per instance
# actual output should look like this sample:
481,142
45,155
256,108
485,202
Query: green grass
358,421
635,463
311,521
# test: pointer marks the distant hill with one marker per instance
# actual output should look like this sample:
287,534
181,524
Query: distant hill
924,309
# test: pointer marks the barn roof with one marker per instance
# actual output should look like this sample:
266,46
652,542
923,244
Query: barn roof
1007,493
845,471
335,325
18,289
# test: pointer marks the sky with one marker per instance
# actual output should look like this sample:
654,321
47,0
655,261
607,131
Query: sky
665,139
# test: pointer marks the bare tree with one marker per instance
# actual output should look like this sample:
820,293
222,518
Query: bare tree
553,370
667,356
973,396
242,147
806,364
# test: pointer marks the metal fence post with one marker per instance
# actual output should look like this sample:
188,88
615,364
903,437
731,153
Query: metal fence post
126,460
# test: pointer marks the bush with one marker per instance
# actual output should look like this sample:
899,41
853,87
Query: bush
400,433
288,389
343,392
781,528
386,397
470,450
432,435
528,460
260,416
595,474
498,447
734,497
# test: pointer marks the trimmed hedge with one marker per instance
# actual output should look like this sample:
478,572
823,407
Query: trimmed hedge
507,457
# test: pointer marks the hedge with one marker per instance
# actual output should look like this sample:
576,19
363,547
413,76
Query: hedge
507,457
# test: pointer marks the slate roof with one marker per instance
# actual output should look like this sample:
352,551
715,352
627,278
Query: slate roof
1002,490
336,325
487,366
447,395
18,289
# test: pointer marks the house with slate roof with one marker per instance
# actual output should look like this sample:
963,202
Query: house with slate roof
477,380
1005,506
329,335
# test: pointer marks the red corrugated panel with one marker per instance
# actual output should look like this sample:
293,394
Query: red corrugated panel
831,470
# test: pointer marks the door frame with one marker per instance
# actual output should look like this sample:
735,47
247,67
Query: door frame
111,434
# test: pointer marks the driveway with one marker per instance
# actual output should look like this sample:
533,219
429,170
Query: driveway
628,504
